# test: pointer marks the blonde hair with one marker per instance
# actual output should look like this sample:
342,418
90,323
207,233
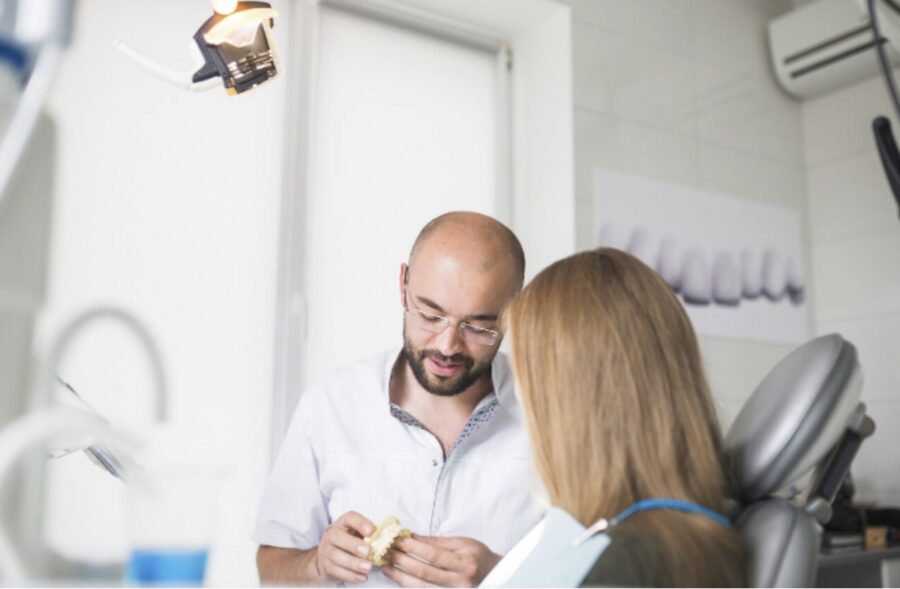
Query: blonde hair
618,407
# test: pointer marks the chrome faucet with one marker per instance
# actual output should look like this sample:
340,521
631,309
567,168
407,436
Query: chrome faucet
44,391
44,422
21,435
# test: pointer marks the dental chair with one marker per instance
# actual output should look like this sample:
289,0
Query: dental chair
805,416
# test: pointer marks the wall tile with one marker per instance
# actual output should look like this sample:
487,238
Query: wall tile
627,78
735,367
732,171
849,196
747,113
585,225
733,34
877,342
857,277
840,123
664,24
607,141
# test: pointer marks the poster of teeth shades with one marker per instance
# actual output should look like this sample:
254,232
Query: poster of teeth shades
737,264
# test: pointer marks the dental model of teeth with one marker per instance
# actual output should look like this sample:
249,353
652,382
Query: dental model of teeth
383,538
726,280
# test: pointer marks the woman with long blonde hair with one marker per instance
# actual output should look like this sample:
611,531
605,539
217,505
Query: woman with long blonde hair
622,422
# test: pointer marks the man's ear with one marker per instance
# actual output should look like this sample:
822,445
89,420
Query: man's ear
404,279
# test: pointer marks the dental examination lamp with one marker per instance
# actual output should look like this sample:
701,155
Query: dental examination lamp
235,44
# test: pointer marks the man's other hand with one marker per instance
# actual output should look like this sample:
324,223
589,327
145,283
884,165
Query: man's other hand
431,561
342,554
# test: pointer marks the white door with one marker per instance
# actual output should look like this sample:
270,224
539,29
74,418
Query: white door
404,128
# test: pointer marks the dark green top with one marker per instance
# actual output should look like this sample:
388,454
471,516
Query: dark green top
631,560
637,557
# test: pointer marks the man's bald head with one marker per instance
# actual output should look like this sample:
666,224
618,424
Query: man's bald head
474,236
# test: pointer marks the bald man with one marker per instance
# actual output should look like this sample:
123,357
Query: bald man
431,434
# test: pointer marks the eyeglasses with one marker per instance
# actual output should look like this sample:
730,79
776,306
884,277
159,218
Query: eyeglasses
438,323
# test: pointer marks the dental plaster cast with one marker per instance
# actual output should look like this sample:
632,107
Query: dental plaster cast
383,538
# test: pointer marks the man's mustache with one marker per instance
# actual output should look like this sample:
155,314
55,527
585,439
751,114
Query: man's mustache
454,359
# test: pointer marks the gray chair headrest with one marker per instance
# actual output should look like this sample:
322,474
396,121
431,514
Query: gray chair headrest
794,417
782,543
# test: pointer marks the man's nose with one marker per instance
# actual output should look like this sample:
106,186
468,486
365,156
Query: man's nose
449,342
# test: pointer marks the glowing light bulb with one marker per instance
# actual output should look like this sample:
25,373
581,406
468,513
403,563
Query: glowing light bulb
224,7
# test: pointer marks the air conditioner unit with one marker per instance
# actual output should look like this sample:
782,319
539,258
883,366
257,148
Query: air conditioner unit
826,44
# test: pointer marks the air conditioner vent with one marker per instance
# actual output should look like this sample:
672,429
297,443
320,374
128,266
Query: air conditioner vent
865,31
824,45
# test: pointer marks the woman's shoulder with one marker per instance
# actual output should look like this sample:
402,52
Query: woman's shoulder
634,558
670,550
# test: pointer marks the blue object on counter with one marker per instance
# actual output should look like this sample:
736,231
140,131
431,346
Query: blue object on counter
166,567
13,53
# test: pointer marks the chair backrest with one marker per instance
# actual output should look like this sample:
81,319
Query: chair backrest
795,420
782,542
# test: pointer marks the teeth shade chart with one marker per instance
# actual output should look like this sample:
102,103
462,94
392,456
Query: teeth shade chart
751,274
726,279
795,282
611,235
696,280
774,275
668,263
641,246
723,277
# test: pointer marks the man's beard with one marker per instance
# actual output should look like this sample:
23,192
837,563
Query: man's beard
467,373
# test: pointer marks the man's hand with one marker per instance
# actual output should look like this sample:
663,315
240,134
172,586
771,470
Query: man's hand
428,561
341,555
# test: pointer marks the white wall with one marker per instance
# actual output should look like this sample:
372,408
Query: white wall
682,92
167,205
543,204
404,130
856,262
